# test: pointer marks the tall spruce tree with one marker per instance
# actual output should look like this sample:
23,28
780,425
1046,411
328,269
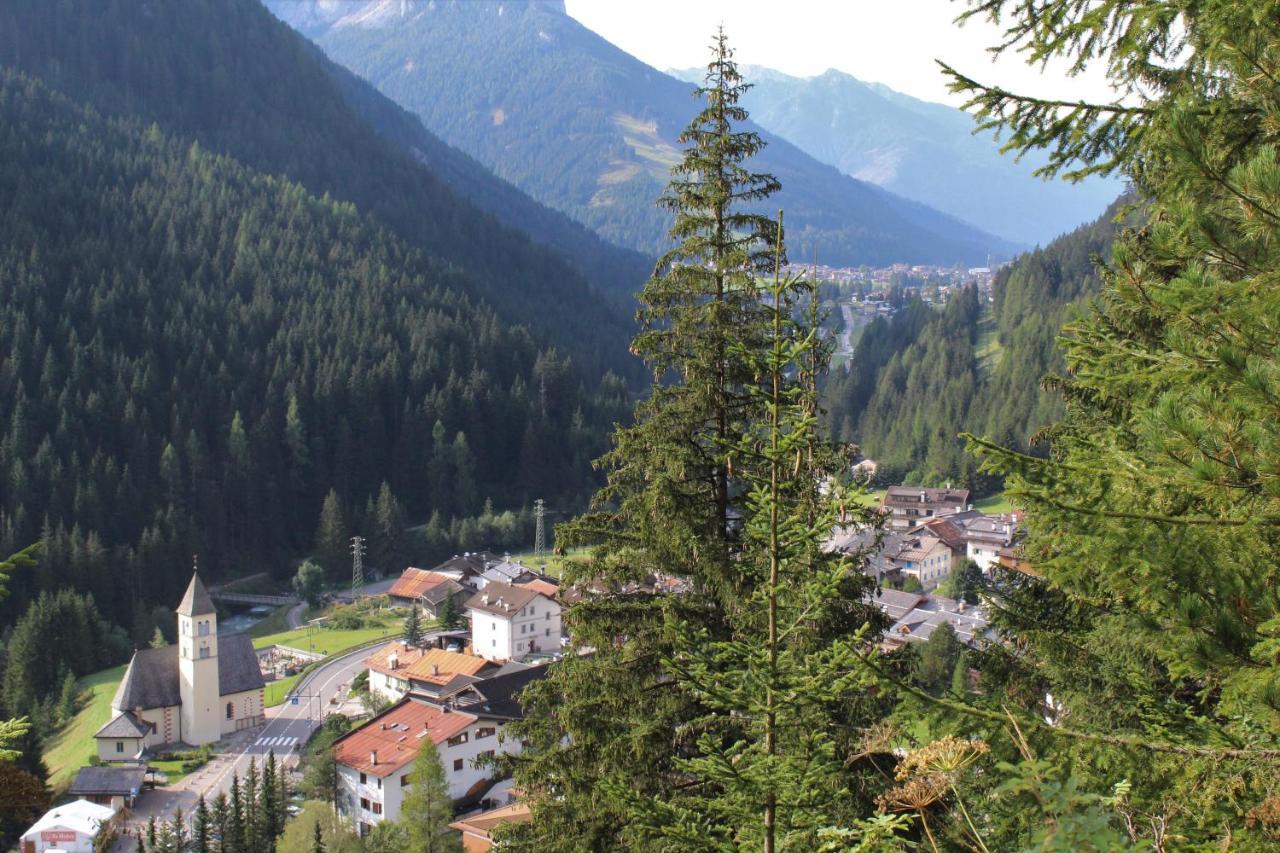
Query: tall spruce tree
617,720
671,732
767,769
412,634
202,838
428,807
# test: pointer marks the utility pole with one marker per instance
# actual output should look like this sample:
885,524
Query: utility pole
539,536
357,566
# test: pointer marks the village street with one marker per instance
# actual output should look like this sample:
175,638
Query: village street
287,728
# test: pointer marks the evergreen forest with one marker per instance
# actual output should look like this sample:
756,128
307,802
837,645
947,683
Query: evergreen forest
179,328
920,378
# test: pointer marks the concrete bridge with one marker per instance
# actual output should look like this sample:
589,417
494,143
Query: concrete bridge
246,598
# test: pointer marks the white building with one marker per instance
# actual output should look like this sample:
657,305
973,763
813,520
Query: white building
509,622
71,827
986,535
375,761
194,692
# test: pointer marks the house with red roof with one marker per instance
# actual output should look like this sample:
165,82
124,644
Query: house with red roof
375,762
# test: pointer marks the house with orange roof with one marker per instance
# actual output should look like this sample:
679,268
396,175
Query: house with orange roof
375,761
427,589
477,829
397,669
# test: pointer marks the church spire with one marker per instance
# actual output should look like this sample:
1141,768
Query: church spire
197,601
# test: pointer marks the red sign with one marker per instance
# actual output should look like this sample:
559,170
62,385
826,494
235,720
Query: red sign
58,835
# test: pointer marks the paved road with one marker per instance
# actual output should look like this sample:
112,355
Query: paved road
294,616
376,588
287,728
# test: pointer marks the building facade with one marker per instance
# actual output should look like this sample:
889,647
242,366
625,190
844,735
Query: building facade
510,622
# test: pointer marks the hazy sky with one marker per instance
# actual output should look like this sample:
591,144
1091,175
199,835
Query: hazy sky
894,42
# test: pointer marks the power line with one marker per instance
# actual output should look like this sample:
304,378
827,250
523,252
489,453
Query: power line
539,535
357,566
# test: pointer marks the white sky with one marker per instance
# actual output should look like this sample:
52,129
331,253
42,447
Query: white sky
894,42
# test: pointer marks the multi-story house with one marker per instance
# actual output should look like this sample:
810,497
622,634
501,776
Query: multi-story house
909,506
375,762
510,622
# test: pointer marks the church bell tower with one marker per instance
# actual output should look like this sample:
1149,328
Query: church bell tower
198,665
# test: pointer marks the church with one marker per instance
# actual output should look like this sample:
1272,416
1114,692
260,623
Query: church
194,692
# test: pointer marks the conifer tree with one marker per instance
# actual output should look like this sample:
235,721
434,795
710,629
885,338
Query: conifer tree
201,828
268,801
427,808
767,770
220,824
633,746
234,840
250,791
412,634
1147,633
332,535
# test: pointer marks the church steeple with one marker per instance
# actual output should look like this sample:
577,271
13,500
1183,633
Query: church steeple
198,664
197,601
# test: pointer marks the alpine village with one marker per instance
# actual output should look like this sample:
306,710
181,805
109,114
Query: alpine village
589,425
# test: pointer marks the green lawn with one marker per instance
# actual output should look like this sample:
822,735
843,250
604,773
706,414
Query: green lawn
330,641
994,505
172,770
872,498
73,746
277,690
555,564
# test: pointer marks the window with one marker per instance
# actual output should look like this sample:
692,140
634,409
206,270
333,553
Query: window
404,781
119,746
203,629
461,737
377,808
519,647
494,641
364,803
488,753
379,780
457,764
487,731
547,616
547,633
231,711
363,779
204,651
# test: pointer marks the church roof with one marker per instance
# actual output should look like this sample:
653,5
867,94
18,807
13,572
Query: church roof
151,681
125,725
197,601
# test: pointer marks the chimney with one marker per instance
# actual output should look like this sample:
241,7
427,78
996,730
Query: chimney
435,669
373,758
445,709
484,599
393,661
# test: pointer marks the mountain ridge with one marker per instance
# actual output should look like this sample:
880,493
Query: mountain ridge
584,127
924,151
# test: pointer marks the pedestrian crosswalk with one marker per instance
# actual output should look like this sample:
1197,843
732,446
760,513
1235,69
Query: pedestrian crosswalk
276,743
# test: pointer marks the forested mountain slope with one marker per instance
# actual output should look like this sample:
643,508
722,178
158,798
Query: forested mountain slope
229,74
923,151
193,353
590,130
918,379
